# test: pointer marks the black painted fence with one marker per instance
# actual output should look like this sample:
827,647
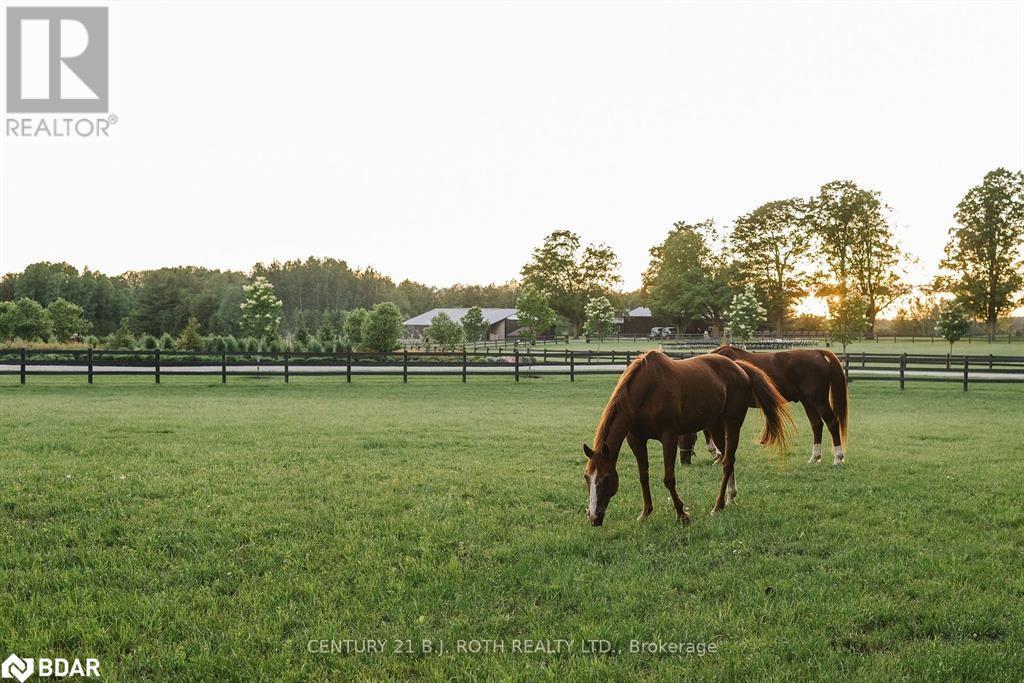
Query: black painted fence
519,363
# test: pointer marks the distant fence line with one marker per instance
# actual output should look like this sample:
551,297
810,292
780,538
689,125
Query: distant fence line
157,363
787,339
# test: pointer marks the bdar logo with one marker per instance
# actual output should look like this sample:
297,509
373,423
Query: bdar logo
16,667
57,60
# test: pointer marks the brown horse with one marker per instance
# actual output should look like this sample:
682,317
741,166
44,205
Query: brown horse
812,377
659,398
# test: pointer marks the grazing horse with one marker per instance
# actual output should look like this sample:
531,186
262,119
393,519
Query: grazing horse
659,398
812,377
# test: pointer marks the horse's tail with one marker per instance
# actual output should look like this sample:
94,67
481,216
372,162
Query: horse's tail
777,420
837,391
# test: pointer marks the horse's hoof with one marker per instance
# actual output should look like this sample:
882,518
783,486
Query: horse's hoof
714,512
683,518
813,460
837,462
644,515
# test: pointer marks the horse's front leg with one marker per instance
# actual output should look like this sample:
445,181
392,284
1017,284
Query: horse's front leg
639,448
668,444
686,444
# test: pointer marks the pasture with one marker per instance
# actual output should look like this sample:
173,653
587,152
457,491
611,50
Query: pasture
203,532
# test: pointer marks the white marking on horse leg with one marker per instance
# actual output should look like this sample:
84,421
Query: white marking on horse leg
839,456
815,454
592,508
713,449
730,489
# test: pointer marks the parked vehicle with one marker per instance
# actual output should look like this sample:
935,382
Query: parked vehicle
662,332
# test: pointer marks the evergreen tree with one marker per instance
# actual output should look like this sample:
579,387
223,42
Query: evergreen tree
474,325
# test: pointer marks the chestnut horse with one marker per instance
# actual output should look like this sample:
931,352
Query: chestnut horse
812,377
659,398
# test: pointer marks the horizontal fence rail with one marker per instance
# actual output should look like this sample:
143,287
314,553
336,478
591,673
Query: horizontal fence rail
518,363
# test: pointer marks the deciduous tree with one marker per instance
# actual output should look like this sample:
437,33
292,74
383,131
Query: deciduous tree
687,281
985,271
68,319
600,317
261,310
745,314
534,313
771,244
953,323
569,274
445,332
861,255
382,330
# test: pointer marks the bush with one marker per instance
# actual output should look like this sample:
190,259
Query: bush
314,345
121,339
230,343
250,345
149,342
166,342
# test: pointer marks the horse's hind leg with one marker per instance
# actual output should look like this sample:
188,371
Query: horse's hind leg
727,490
713,449
686,444
825,410
816,423
668,444
639,448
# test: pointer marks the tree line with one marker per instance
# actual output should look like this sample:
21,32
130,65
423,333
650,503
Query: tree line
838,243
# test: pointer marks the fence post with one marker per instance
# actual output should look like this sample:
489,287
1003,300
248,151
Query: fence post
90,364
517,365
903,369
22,365
286,367
846,366
863,359
223,368
156,366
405,365
572,366
990,361
965,373
947,360
348,363
464,365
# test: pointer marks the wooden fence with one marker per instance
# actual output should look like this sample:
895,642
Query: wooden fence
158,364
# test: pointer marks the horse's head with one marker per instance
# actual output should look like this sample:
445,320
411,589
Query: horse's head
601,479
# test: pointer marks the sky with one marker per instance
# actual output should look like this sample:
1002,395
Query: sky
442,142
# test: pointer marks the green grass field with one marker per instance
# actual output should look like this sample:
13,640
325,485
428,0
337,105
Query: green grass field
193,531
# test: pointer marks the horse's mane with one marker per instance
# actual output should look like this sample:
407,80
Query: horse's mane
620,398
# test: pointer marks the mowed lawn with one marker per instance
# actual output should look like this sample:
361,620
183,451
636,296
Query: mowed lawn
192,531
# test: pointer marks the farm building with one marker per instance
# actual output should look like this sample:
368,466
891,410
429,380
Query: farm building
640,321
501,322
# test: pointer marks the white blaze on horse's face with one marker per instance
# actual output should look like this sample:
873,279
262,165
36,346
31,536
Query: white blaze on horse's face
602,483
592,506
